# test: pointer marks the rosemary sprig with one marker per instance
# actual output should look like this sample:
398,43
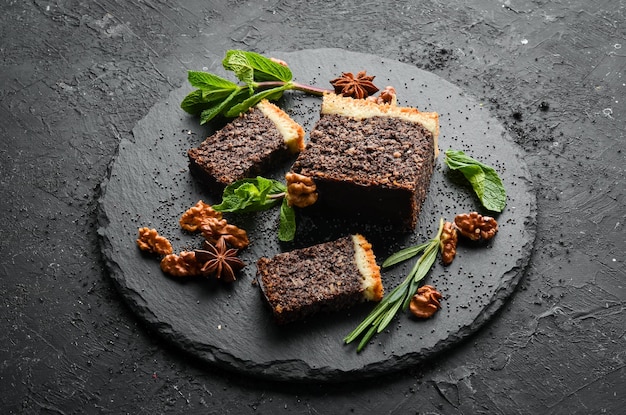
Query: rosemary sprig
400,297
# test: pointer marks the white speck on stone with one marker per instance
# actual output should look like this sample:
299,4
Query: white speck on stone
524,41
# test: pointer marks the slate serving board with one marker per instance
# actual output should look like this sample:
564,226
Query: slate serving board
149,184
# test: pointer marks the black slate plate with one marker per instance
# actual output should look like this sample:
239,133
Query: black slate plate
229,325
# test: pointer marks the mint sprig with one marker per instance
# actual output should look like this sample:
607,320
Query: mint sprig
400,298
259,194
484,179
259,77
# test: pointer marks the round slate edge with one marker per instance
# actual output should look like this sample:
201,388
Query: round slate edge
300,370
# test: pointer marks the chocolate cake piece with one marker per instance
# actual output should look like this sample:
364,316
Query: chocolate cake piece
321,278
248,146
369,161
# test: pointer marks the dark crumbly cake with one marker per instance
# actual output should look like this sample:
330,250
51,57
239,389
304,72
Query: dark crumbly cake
321,278
248,146
376,168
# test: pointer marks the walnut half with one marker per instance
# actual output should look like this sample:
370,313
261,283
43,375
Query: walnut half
213,229
386,96
183,265
449,239
193,218
150,241
476,226
426,302
301,190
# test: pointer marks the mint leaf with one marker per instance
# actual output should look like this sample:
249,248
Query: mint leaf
214,110
250,195
243,106
211,89
266,69
199,100
209,81
257,194
250,67
194,103
236,61
287,223
484,179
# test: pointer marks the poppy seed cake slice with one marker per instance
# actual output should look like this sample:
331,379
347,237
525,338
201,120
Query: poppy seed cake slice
326,277
370,161
248,146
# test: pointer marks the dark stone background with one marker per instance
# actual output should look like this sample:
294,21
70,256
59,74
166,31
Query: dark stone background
77,76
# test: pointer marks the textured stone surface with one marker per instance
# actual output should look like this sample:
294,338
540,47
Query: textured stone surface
150,185
78,76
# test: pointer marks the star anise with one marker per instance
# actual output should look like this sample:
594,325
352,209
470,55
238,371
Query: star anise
358,87
219,260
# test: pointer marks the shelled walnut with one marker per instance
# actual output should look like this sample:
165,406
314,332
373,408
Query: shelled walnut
213,229
386,96
193,218
182,265
426,302
476,226
301,190
449,239
150,241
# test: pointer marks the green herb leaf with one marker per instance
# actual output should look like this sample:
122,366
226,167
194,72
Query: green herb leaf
404,254
194,103
209,82
236,61
251,66
368,336
398,292
287,223
423,265
243,106
250,195
212,89
370,320
219,94
484,179
400,297
214,110
386,319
